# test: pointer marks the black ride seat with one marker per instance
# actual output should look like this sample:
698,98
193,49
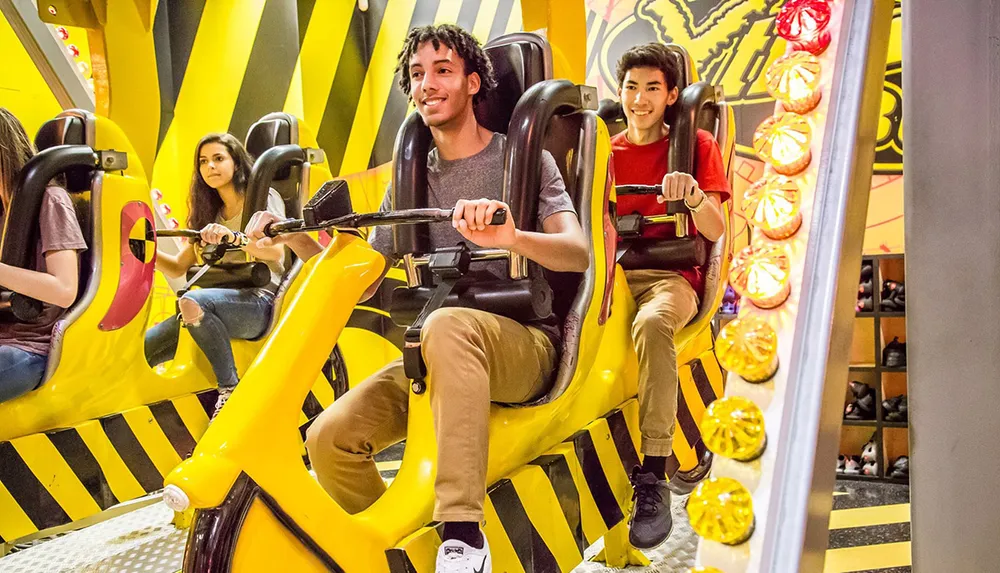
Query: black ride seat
536,113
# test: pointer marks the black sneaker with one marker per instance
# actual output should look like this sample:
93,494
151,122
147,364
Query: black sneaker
900,468
893,296
896,409
863,406
651,522
894,354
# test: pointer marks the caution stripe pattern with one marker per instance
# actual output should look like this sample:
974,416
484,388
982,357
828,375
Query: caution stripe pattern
51,479
543,516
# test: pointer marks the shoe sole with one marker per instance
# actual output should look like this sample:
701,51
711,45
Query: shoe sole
652,547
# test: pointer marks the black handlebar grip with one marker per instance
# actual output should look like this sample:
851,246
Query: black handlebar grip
638,189
499,217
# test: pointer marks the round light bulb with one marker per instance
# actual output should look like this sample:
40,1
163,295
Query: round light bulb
783,140
771,204
721,510
748,346
733,427
793,79
804,23
62,32
760,273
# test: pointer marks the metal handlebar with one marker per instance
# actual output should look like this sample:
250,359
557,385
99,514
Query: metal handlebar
677,212
356,220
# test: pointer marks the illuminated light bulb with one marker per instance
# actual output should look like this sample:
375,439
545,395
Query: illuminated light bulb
733,427
174,223
165,209
804,23
52,10
760,273
84,68
62,32
748,346
73,50
793,80
157,194
783,140
721,510
771,204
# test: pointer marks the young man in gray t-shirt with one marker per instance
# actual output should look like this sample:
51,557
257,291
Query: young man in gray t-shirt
472,357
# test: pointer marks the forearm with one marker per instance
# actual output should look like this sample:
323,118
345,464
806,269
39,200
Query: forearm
36,285
170,265
304,246
709,219
270,253
555,251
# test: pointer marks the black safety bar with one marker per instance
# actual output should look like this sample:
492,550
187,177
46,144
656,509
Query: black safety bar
21,234
264,170
694,100
409,184
526,141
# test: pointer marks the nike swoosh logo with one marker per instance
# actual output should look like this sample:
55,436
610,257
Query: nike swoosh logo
481,567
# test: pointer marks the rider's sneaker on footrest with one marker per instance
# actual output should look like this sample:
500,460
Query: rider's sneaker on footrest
224,394
455,556
651,520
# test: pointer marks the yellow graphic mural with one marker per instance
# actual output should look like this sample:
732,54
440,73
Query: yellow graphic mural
733,42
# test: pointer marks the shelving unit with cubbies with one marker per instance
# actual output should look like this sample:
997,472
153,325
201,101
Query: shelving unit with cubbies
872,331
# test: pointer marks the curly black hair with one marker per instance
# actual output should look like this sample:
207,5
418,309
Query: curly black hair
651,55
465,45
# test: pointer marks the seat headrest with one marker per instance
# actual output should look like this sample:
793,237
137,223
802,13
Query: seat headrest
62,130
519,61
270,131
68,128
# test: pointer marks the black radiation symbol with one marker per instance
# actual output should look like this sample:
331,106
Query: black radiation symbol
142,241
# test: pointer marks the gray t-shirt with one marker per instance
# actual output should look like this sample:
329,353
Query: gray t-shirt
477,177
274,205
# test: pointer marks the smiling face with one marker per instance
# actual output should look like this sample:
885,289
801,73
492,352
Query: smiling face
645,97
439,87
215,165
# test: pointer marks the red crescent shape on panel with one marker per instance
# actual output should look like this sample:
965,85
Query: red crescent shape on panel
610,244
135,280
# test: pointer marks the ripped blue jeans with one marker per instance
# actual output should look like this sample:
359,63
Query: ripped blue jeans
228,314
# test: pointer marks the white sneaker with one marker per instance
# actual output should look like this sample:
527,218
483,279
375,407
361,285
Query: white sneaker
224,394
455,556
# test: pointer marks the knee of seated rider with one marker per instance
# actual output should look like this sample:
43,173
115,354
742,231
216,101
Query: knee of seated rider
652,321
192,308
447,326
331,432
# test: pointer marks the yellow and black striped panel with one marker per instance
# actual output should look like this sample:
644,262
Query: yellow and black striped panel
869,529
701,383
543,516
52,479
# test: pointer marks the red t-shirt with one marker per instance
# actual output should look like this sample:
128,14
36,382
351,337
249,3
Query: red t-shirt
647,165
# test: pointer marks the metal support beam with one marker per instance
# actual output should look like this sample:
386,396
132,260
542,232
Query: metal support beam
799,507
48,53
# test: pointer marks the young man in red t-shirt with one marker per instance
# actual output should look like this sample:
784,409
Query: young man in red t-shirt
667,299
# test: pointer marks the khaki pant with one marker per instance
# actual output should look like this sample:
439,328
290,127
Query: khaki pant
473,358
666,302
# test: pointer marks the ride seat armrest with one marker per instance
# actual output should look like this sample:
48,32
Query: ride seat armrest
15,307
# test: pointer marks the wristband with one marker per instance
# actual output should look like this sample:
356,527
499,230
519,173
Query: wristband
699,206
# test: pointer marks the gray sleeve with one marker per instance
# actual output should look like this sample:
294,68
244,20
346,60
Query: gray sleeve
381,237
552,196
